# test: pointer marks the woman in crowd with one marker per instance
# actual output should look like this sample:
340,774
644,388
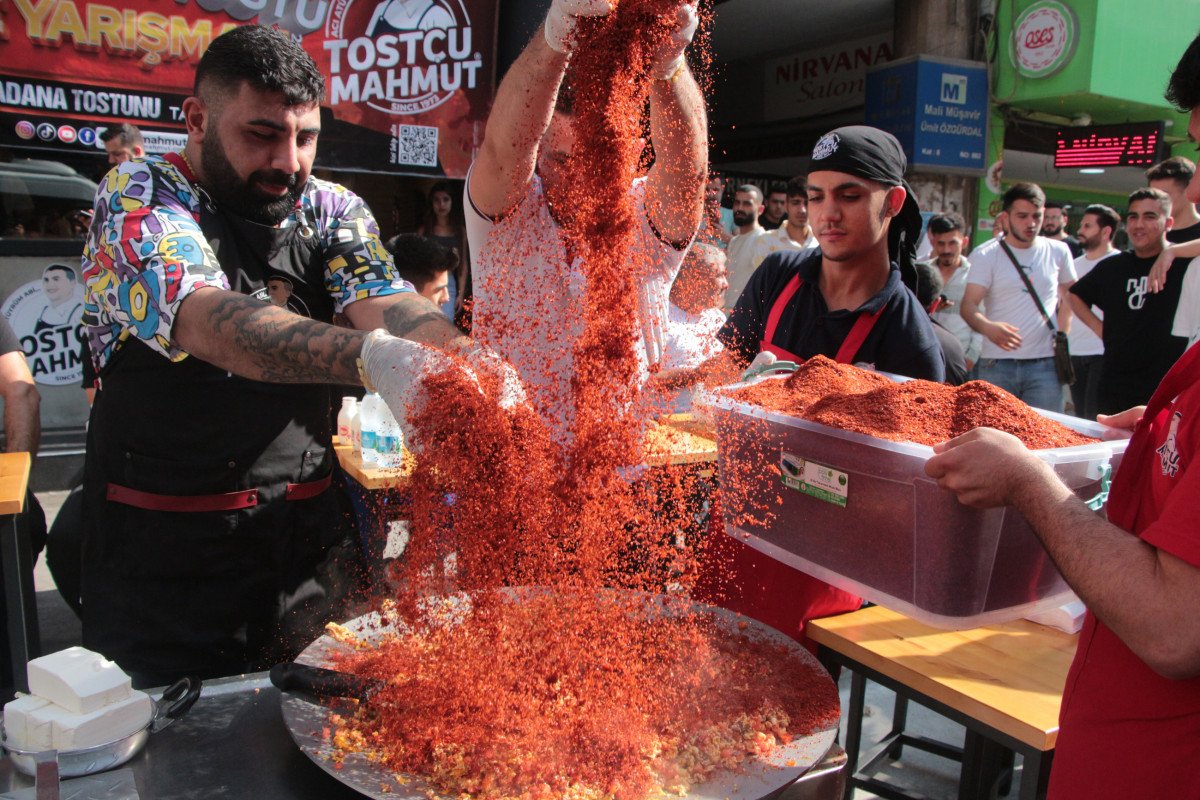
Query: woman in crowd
443,223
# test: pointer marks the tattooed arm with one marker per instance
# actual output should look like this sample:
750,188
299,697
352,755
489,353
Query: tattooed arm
262,342
409,316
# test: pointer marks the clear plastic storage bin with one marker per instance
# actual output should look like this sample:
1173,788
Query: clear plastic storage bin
859,513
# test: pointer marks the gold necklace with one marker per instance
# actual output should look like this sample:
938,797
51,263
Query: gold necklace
188,162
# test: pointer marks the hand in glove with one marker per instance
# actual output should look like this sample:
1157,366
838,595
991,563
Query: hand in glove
487,364
764,363
670,56
563,16
397,368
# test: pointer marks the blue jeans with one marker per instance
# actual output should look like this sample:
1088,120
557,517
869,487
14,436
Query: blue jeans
1033,380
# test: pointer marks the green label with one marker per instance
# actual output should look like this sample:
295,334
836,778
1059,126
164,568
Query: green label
815,480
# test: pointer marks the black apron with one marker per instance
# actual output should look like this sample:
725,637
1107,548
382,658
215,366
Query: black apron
167,593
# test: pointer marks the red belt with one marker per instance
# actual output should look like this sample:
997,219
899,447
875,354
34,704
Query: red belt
229,501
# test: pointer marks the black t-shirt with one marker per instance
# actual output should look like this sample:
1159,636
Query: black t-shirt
1180,235
1074,246
8,338
902,340
1138,345
953,356
768,224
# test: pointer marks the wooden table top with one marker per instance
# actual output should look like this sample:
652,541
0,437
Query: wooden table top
675,439
372,477
14,480
1008,676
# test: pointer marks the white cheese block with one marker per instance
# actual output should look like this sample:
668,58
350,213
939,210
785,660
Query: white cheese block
69,731
78,680
16,720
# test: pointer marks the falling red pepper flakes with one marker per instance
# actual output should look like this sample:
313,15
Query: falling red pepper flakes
853,399
576,687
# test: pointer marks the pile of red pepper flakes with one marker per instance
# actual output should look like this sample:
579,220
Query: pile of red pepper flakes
853,399
577,688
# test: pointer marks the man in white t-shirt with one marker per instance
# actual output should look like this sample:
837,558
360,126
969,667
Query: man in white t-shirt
529,285
747,205
1187,314
1096,230
1018,347
946,234
794,233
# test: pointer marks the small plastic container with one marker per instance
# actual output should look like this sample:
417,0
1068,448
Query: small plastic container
345,419
860,513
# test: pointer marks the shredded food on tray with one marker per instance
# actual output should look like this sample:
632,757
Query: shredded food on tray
492,705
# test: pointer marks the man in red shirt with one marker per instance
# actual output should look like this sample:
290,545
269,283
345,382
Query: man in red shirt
1131,708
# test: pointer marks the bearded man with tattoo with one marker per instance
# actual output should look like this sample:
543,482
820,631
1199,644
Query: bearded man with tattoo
212,542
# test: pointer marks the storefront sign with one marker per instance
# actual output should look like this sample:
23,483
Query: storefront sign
1133,144
408,82
936,108
819,81
1043,39
46,315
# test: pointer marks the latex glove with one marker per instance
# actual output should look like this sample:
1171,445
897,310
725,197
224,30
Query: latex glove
486,362
562,18
396,368
764,363
669,58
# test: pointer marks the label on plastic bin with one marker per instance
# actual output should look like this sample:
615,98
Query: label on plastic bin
814,480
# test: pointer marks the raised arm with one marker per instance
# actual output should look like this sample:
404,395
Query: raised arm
679,130
522,110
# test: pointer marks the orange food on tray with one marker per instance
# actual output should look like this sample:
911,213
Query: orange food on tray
854,399
531,700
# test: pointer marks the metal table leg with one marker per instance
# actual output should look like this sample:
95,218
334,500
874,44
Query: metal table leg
19,598
1035,775
854,714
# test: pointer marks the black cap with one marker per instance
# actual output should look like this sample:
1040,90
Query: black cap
876,155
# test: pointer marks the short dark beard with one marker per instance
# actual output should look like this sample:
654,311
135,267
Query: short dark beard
238,196
1048,232
741,218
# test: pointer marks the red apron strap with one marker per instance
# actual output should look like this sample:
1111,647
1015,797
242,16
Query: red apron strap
858,334
1125,498
789,291
850,347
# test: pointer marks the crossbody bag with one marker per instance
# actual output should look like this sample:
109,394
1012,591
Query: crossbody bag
1062,349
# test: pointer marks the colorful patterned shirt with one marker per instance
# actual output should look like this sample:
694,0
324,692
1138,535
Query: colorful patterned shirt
145,252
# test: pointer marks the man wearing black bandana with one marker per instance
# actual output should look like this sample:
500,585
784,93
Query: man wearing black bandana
850,301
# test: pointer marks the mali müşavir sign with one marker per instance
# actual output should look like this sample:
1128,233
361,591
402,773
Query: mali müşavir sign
408,82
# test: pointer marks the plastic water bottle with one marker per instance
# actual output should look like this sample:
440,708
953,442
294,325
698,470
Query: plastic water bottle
389,440
344,418
356,430
368,417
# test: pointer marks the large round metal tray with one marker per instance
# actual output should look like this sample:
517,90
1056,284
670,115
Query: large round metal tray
308,720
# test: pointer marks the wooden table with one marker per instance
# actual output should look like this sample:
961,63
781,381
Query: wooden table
19,597
369,476
1003,683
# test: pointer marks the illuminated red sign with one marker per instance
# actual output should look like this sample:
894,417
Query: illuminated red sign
1133,144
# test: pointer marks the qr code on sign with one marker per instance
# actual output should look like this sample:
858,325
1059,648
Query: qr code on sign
415,144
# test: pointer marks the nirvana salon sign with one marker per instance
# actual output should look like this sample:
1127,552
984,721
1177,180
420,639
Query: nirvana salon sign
819,81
